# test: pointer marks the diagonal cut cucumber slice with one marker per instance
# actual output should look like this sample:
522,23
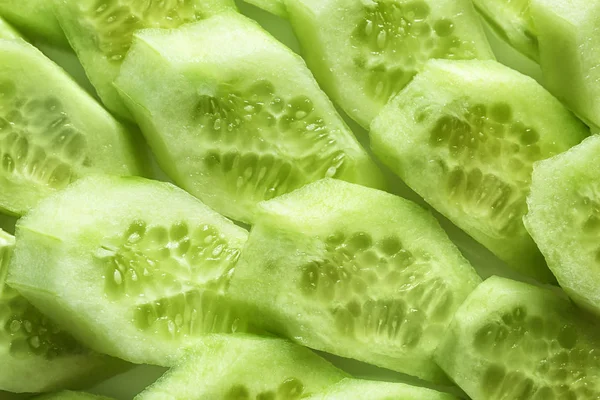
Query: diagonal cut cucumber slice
36,19
276,7
7,31
67,395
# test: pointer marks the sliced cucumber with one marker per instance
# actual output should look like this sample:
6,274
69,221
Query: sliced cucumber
276,7
131,267
66,395
511,340
365,51
237,367
564,219
51,131
7,31
234,117
465,135
101,31
34,18
359,273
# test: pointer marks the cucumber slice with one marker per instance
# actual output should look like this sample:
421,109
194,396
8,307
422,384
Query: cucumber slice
51,131
7,31
365,51
123,273
360,273
34,18
67,395
511,340
234,117
564,219
276,7
236,367
101,31
465,135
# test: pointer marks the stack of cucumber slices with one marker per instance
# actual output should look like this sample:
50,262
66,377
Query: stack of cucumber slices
299,199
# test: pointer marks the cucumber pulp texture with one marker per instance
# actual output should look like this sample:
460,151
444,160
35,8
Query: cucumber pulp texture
36,19
511,340
276,7
360,274
364,52
127,277
68,395
7,31
101,32
465,135
234,117
51,131
564,219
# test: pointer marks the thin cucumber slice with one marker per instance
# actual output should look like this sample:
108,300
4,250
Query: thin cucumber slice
276,7
67,395
465,135
51,131
35,18
234,117
235,367
511,340
101,31
365,51
131,267
359,273
7,31
564,219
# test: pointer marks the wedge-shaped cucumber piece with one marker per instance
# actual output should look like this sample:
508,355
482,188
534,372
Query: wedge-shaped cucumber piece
358,272
51,131
512,340
365,51
101,31
67,395
276,7
465,135
133,268
35,18
240,367
234,117
7,31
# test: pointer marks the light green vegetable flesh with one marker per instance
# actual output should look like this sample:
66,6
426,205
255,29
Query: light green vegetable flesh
276,7
35,18
131,267
101,31
66,395
511,340
234,117
364,52
359,273
7,31
564,219
465,135
51,131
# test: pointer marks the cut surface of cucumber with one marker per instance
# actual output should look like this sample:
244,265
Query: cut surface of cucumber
35,18
234,117
359,273
365,51
276,7
7,31
131,267
101,31
465,135
51,131
68,395
512,340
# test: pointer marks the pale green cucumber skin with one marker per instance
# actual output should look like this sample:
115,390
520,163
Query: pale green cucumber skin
259,364
276,7
557,222
36,19
162,86
288,236
448,88
68,395
458,357
7,31
60,265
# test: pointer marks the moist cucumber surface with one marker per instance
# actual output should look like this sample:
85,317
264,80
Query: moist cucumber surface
465,135
364,51
131,267
234,117
68,395
35,18
7,31
511,340
101,31
276,7
564,219
355,272
51,131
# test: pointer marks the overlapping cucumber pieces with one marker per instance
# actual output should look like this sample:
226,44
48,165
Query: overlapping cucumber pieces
101,31
465,135
131,267
358,272
276,7
67,395
512,340
364,52
51,131
7,31
35,18
240,367
564,219
234,117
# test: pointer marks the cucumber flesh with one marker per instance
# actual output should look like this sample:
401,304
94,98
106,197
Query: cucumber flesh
276,7
512,340
51,131
236,117
465,135
7,31
36,19
125,275
68,395
364,52
360,273
101,31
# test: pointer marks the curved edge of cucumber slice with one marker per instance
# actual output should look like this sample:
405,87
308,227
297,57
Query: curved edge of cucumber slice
276,7
70,395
